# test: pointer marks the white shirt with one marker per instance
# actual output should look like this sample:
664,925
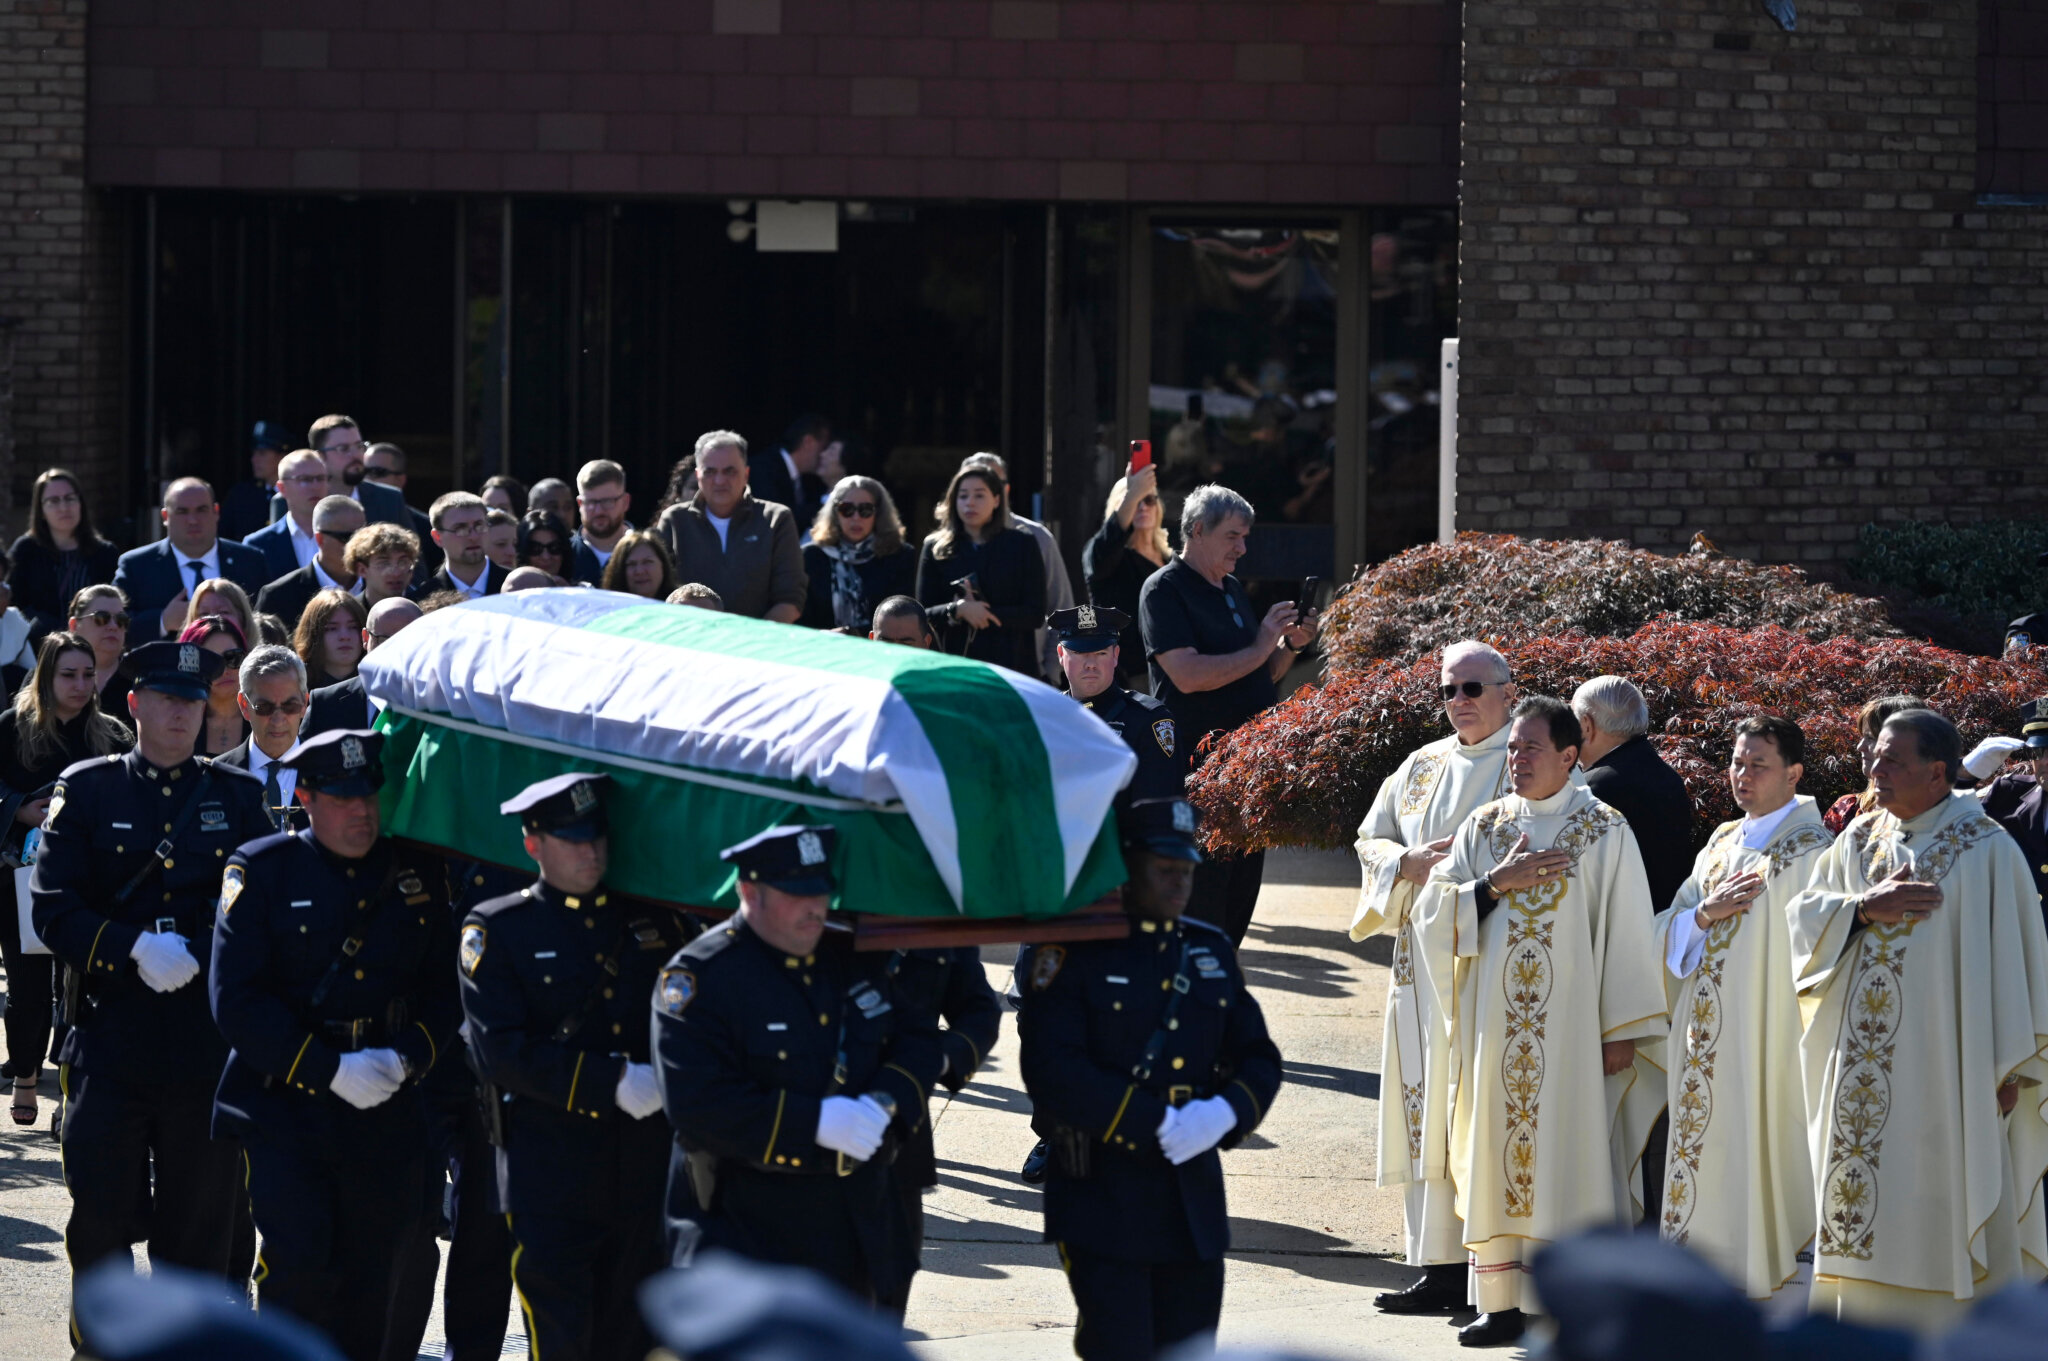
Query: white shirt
328,583
470,590
211,563
305,543
1688,942
721,525
259,766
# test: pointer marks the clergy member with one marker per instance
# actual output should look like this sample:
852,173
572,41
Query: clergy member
1738,1184
1401,840
1920,945
1545,905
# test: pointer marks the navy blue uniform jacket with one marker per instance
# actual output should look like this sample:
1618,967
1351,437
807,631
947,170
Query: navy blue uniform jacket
288,908
1148,729
534,963
105,820
1089,1011
950,983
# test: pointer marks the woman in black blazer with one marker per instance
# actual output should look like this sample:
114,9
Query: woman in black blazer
60,555
993,617
856,558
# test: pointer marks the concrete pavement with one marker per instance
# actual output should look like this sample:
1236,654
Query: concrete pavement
1313,1236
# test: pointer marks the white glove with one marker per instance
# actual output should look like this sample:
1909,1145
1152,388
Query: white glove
853,1126
164,960
367,1079
638,1094
1988,756
1198,1128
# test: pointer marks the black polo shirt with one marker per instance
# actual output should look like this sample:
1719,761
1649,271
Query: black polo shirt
1179,608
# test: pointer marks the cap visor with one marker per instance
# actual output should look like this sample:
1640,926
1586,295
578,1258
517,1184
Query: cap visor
576,829
181,688
2038,742
1172,848
804,886
1091,643
347,787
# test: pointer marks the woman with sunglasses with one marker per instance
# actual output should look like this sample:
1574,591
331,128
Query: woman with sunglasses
855,559
225,728
61,554
1130,546
99,614
544,543
55,721
329,639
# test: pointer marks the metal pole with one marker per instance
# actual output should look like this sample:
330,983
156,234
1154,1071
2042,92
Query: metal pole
152,457
458,457
1447,446
505,337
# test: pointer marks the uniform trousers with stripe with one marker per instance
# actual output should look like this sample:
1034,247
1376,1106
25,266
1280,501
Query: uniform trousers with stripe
576,1280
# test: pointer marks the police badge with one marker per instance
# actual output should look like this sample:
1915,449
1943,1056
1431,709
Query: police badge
811,848
1045,966
1162,733
352,753
673,991
472,949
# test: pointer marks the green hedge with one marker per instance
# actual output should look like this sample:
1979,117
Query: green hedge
1989,569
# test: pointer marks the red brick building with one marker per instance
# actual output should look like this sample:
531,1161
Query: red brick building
1709,274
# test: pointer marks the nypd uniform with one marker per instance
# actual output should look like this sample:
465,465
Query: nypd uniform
2019,803
555,989
131,850
750,1042
1115,1035
950,983
322,965
1145,725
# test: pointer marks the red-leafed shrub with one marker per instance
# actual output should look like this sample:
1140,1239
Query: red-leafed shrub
1306,771
1496,586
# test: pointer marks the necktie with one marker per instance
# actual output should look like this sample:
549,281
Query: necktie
198,570
273,796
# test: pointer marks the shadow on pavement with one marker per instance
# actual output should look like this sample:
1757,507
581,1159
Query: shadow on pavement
1263,938
1324,1077
18,1235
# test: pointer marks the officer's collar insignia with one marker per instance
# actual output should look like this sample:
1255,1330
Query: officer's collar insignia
1183,816
811,848
188,658
1045,966
1162,733
472,949
582,797
673,991
1084,619
230,887
351,753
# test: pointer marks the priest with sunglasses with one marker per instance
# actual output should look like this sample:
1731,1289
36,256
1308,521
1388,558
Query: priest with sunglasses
1407,832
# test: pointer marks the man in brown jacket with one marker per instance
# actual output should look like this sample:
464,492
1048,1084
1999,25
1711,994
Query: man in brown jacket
746,550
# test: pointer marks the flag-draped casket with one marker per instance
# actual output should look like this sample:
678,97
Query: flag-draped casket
959,789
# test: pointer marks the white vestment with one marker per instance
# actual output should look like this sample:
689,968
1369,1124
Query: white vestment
1928,1199
1738,1181
1555,971
1432,792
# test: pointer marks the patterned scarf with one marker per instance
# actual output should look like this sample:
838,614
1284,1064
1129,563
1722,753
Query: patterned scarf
851,609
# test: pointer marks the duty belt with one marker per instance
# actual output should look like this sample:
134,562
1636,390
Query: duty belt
364,1032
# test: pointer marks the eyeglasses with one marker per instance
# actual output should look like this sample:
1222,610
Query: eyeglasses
264,708
1470,689
59,502
465,529
106,617
857,510
377,474
344,446
599,502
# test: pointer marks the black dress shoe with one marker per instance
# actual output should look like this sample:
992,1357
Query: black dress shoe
1036,1163
1497,1329
1440,1291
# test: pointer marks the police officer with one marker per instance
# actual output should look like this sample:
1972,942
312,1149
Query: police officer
2018,799
330,979
1088,657
124,892
949,982
2029,630
1142,1056
555,986
792,1069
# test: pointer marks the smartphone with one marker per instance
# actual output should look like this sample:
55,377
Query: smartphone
1306,601
1141,455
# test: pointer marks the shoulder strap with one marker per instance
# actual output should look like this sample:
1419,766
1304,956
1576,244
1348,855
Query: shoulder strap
164,847
1142,1069
359,930
573,1021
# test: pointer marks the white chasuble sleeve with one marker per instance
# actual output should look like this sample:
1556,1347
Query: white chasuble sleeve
1383,895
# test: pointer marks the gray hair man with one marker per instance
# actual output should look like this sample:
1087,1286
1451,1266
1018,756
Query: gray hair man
1217,664
335,520
1059,587
745,549
273,701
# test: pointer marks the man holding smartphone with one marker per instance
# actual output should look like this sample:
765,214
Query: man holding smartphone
1217,665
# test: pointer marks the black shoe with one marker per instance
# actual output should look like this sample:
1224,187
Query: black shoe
1036,1164
1497,1329
1440,1291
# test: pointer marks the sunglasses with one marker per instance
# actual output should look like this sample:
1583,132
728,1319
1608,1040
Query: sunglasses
377,474
233,659
290,708
552,547
105,617
1470,689
857,510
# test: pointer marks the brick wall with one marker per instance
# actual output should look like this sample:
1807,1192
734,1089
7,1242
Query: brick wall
60,262
1248,101
1719,277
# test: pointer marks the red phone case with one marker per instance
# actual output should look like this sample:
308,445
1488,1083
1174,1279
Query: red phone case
1141,455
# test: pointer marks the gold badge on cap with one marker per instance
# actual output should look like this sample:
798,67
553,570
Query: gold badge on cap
472,949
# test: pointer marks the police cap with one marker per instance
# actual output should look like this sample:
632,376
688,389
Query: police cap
345,762
568,806
727,1308
2034,723
795,859
268,435
1088,628
1161,826
186,670
177,1315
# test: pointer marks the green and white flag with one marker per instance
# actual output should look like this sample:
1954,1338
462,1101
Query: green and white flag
958,788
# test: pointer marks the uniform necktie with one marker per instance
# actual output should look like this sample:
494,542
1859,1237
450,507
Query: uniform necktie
273,796
198,570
